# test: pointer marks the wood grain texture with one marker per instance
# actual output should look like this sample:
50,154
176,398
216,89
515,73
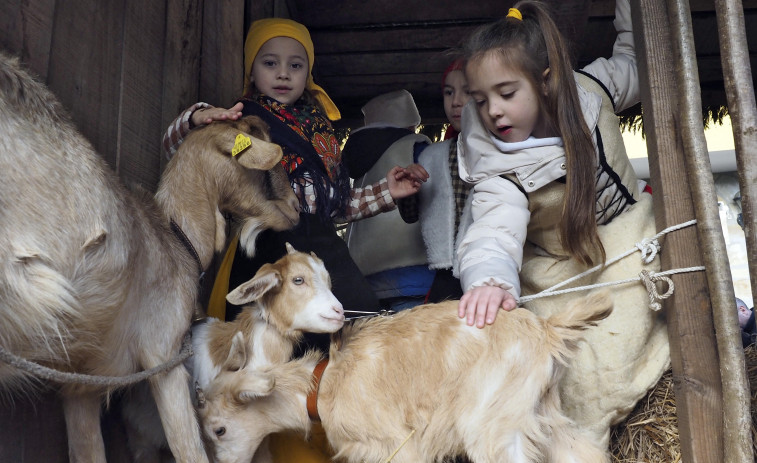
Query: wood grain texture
693,348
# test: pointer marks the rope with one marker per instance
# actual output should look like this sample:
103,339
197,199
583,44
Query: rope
57,376
649,248
368,314
649,280
391,457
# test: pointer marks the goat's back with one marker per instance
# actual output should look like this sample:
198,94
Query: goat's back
425,369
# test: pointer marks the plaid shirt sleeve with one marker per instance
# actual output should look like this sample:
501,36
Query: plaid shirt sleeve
179,129
369,201
408,208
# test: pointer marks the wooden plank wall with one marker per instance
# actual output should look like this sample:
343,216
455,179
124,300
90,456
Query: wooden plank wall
124,70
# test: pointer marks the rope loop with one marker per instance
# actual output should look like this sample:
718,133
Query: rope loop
649,249
650,280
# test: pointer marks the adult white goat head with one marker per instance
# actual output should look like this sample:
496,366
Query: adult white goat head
92,279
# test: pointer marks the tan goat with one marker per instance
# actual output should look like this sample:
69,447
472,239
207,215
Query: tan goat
92,278
291,296
421,375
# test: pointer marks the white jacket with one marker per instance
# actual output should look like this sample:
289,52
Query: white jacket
496,221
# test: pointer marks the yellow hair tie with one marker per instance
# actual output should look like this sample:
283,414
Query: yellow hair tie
514,13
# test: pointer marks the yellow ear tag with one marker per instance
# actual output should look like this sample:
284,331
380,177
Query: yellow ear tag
241,143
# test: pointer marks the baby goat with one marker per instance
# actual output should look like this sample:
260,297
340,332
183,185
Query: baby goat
95,279
422,376
289,297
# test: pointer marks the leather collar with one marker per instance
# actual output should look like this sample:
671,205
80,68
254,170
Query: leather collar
188,245
312,399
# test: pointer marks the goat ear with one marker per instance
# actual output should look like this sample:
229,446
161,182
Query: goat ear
256,384
261,155
266,278
237,358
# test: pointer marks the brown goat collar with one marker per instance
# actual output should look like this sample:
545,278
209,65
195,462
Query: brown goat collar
188,245
312,400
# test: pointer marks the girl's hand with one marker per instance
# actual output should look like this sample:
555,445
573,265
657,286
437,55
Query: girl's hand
207,115
481,304
404,182
417,171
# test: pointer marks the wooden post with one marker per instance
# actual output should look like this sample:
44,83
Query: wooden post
693,352
737,76
735,395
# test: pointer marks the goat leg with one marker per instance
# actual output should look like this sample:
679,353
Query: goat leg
177,415
85,441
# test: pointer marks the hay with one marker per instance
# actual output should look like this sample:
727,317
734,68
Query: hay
650,433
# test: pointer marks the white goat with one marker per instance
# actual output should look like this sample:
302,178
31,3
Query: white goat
421,375
289,297
92,278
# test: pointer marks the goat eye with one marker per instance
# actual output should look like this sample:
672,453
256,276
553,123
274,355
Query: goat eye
219,431
298,280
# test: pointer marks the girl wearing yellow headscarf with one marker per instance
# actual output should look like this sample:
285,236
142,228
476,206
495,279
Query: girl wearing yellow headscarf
279,88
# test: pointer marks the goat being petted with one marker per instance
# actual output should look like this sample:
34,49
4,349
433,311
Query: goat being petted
414,375
93,279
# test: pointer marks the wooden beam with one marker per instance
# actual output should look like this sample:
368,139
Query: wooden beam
26,31
735,389
739,86
140,127
222,65
693,352
181,60
85,68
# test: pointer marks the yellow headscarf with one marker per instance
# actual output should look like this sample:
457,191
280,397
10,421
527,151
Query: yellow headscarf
264,30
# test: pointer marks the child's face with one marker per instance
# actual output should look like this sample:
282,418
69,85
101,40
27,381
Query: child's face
506,100
455,95
744,314
280,69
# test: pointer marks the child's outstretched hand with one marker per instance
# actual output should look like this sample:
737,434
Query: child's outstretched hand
406,181
207,115
481,304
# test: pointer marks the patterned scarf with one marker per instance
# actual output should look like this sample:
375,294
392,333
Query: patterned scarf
313,128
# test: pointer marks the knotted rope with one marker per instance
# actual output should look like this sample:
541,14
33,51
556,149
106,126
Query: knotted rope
649,279
57,376
649,248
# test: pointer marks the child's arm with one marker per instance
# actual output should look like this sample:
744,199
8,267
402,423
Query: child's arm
209,114
380,196
406,181
491,250
619,73
196,115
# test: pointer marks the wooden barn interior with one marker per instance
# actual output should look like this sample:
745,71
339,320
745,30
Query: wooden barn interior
125,69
